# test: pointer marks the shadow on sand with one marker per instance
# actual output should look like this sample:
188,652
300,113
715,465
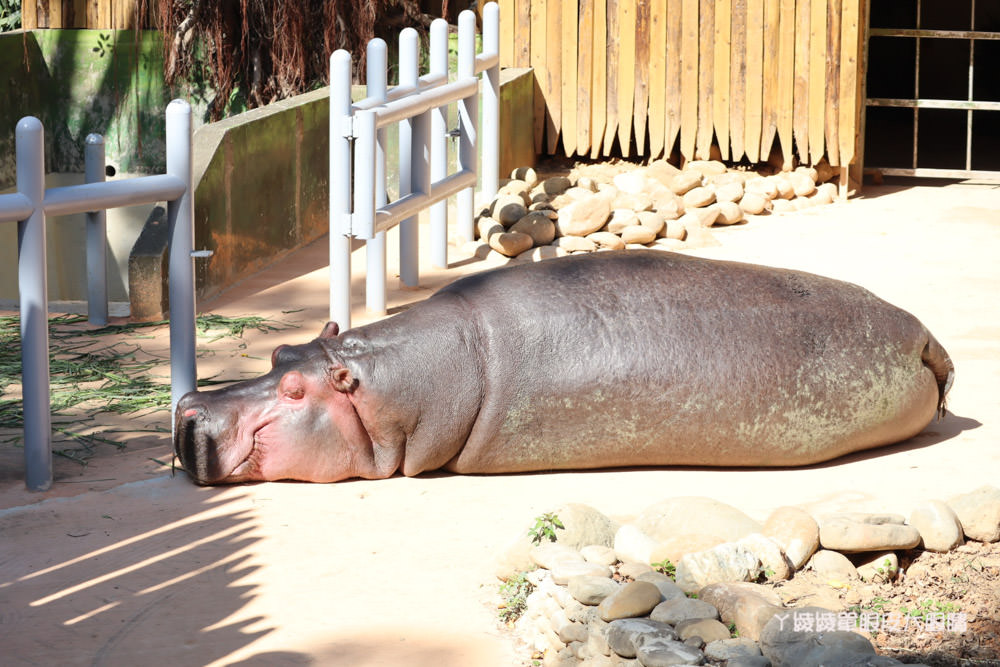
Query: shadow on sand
159,584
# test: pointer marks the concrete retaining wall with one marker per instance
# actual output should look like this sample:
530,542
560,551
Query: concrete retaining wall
261,187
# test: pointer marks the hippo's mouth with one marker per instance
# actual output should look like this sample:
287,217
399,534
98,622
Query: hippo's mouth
249,467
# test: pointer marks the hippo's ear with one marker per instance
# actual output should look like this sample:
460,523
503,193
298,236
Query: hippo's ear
343,381
330,330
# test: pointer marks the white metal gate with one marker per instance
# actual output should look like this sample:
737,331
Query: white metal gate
358,204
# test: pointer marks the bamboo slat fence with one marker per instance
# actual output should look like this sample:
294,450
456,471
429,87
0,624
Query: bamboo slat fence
86,14
734,79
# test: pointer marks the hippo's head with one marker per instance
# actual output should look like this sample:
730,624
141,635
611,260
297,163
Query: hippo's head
295,422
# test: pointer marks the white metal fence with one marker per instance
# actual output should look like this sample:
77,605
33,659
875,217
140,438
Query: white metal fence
359,206
32,203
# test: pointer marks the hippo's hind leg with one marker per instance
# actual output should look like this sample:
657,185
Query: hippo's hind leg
937,360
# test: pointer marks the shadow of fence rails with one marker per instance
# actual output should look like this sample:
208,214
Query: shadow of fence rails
149,572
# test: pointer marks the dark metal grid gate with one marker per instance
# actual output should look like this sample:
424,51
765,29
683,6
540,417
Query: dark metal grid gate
969,104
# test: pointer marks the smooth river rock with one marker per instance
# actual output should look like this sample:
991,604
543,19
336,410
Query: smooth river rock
682,609
708,629
637,598
939,527
795,531
584,216
563,572
591,590
746,605
665,652
668,589
851,536
979,512
695,515
832,565
730,561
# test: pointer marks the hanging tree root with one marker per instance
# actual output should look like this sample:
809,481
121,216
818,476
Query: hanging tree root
266,51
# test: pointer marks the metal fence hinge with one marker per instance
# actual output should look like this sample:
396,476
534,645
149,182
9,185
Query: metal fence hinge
346,224
347,127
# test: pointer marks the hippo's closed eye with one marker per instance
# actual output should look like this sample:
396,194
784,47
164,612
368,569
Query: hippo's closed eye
353,346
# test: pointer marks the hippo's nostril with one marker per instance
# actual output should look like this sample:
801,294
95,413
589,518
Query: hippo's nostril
189,412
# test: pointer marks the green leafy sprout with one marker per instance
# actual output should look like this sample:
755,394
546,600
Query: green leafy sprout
926,608
545,528
665,567
515,592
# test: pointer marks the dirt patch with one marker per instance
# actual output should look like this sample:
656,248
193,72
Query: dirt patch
943,609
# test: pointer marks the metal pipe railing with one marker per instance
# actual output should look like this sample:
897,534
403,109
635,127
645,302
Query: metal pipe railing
378,89
111,194
412,146
418,104
409,205
439,146
468,124
33,293
340,187
180,282
94,166
30,206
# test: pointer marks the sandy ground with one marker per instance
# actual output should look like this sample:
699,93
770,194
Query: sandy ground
122,563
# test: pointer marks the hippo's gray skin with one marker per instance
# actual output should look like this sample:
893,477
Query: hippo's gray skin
631,358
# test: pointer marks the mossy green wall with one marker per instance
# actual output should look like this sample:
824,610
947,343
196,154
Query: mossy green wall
78,82
82,81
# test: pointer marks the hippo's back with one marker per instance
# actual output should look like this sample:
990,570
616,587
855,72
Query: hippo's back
654,358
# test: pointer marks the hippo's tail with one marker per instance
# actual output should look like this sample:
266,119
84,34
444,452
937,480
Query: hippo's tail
937,360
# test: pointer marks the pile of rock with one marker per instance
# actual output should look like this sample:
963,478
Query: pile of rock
598,600
657,206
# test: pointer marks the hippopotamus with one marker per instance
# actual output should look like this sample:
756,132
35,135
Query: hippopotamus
623,358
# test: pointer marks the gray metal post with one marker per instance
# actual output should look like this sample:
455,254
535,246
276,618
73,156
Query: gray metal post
409,250
439,146
375,274
489,180
180,217
340,188
365,148
420,159
468,119
97,234
34,304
